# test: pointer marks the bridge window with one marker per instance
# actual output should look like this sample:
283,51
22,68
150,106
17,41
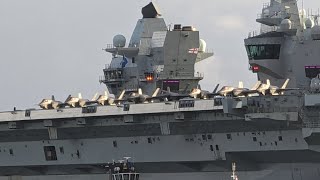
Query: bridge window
261,52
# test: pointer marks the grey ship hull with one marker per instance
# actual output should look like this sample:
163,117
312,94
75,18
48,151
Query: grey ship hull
200,145
281,171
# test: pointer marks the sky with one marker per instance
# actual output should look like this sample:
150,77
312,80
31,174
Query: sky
54,47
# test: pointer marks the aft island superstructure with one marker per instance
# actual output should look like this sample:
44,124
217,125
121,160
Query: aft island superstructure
154,111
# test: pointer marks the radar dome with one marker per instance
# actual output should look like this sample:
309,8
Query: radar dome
309,23
285,24
202,46
119,41
315,32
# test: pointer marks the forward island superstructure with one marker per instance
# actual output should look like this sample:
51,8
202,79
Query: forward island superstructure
287,45
154,111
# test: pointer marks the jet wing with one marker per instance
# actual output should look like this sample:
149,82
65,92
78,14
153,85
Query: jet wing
248,92
212,95
84,103
287,89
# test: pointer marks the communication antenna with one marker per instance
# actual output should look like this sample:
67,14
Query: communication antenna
316,17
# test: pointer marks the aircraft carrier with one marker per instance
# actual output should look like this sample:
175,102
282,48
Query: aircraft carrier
155,112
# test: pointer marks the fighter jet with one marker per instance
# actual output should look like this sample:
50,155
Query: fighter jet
263,88
241,91
203,94
275,91
168,95
51,104
47,103
224,91
73,101
86,102
109,99
268,89
139,97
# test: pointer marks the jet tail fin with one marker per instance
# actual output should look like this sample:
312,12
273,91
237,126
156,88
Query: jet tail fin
140,91
285,84
268,82
79,96
122,95
240,84
52,98
256,86
156,92
68,98
95,97
216,88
